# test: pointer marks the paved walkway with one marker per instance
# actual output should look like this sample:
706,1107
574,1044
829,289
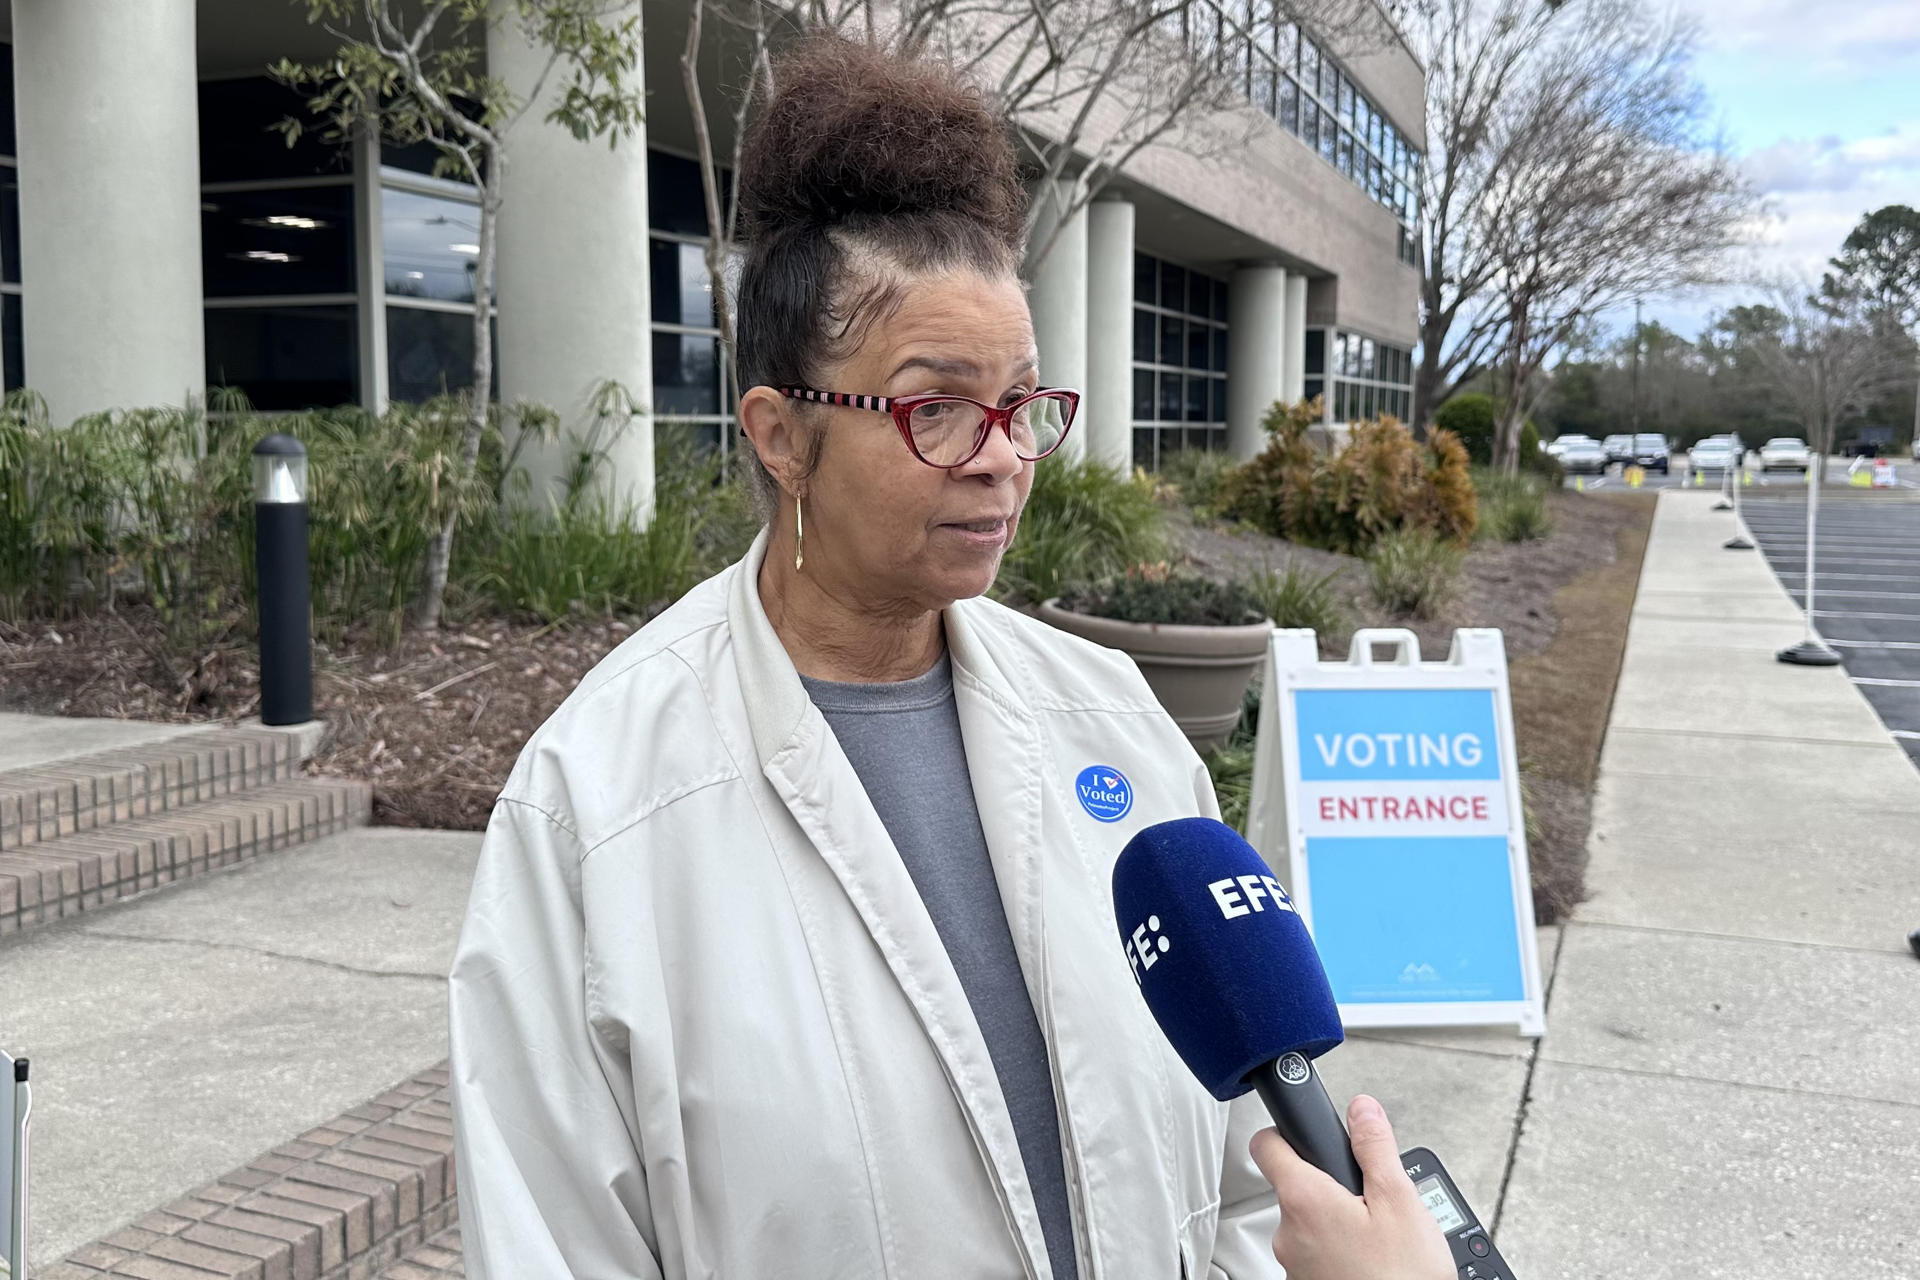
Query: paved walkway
179,1035
1729,1085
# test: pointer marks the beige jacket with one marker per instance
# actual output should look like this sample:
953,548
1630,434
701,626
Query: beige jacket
702,1025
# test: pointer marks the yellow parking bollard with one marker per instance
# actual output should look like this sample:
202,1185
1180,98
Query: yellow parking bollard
1636,476
1699,479
1579,484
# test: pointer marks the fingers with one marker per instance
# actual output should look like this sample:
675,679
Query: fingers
1374,1146
1280,1163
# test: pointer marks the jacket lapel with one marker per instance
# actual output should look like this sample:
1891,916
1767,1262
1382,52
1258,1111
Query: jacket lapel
803,762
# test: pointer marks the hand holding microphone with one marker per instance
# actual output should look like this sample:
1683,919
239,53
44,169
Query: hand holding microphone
1327,1233
1232,976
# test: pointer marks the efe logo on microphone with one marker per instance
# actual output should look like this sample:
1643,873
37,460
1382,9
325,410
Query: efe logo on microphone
1145,946
1240,895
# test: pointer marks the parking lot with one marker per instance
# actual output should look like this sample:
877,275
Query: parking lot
1867,588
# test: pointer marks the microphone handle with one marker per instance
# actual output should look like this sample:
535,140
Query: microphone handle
1305,1117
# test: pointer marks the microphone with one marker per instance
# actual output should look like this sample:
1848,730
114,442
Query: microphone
1232,976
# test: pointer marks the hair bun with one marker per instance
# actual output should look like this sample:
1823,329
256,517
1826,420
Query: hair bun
854,135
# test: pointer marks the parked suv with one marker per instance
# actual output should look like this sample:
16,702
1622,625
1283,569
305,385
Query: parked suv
1618,449
1650,451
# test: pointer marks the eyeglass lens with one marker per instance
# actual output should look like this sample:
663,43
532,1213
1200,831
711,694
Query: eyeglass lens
945,432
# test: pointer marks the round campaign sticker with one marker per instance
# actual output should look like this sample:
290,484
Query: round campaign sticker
1104,792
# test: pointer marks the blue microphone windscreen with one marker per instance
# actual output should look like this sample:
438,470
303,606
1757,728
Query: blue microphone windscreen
1225,962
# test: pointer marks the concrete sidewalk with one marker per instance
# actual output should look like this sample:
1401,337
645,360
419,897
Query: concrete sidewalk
1729,1085
181,1034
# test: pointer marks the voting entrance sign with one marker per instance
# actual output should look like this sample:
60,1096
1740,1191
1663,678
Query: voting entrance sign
1390,793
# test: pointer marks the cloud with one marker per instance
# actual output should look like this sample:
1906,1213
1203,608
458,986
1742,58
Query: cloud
1837,33
1794,165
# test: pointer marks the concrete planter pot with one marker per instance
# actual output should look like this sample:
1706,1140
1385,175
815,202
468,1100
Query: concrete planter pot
1200,674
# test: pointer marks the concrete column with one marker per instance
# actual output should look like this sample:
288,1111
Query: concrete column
1256,318
571,280
107,107
1106,414
1057,296
1294,343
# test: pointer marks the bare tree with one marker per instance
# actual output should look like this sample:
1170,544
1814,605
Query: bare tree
1828,356
411,73
1609,190
1088,84
1477,52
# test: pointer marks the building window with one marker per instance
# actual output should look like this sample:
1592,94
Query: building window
277,241
285,357
689,368
1361,377
1302,90
1179,360
430,250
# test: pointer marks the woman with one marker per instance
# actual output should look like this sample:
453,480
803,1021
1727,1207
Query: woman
791,951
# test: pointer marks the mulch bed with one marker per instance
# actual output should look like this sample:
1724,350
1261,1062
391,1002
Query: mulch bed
436,722
1562,604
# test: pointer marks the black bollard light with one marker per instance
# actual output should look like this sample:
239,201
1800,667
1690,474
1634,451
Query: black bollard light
280,564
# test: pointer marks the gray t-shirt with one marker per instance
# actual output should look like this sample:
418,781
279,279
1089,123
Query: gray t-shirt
903,739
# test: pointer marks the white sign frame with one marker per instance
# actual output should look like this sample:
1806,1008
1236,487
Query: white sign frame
15,1117
1477,661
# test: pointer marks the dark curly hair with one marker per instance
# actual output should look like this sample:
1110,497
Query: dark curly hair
863,167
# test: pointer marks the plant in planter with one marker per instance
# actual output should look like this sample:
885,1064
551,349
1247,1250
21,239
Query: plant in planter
1198,642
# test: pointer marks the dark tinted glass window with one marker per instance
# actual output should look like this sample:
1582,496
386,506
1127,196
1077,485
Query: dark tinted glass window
686,374
1219,400
12,348
1142,392
1199,345
682,288
1289,106
1197,400
259,244
1143,329
1310,122
1220,301
1173,339
10,224
1173,287
285,357
430,243
7,142
1220,350
675,201
1170,401
1316,351
430,352
1146,272
1314,388
240,143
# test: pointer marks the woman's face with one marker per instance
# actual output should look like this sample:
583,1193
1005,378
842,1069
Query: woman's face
885,531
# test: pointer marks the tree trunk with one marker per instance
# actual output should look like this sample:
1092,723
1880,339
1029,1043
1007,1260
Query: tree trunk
479,398
1426,385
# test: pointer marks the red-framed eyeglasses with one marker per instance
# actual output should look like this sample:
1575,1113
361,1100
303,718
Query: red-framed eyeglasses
949,431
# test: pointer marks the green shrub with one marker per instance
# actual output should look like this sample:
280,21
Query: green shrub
1413,571
1150,594
1294,598
1199,476
1471,417
1083,523
1512,508
583,555
1382,481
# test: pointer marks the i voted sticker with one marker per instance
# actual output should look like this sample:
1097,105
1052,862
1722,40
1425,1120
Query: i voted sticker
1104,792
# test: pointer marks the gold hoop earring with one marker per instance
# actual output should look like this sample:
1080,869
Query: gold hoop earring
799,537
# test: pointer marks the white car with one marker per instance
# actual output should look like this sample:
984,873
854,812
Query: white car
1785,454
1560,444
1715,454
1581,454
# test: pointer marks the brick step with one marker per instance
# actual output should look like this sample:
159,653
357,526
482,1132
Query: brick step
367,1194
84,869
85,793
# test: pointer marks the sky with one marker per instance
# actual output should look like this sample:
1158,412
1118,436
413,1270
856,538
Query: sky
1820,102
